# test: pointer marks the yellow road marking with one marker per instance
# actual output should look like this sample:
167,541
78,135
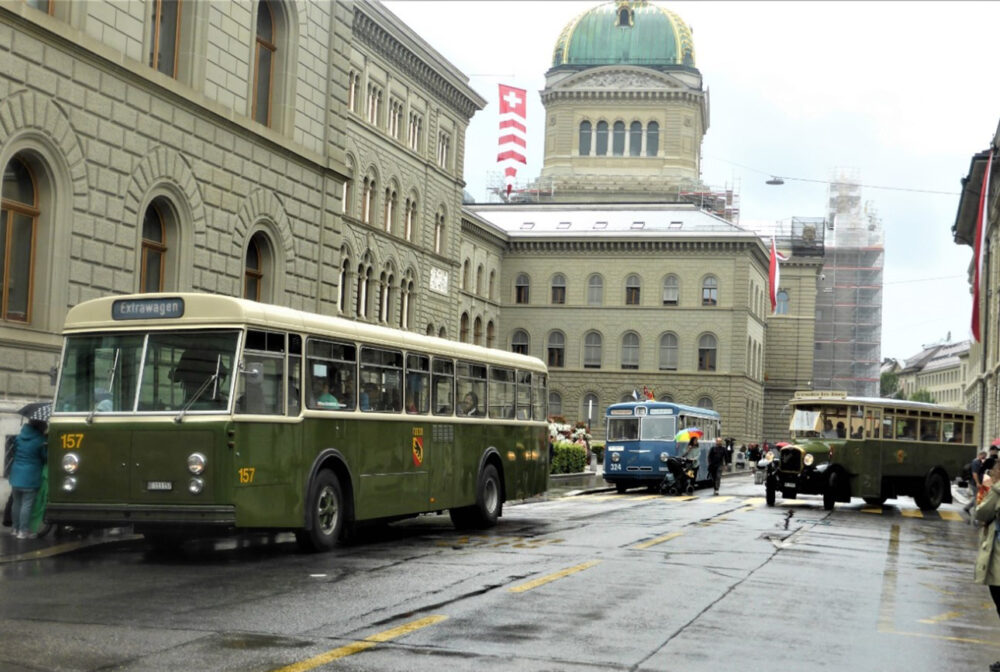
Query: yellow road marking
755,501
961,640
951,515
911,513
68,547
720,498
941,618
363,645
645,497
657,540
541,581
680,498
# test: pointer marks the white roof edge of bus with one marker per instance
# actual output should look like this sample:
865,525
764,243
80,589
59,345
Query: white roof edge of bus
232,311
879,401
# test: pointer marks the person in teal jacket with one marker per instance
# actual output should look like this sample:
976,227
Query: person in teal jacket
30,455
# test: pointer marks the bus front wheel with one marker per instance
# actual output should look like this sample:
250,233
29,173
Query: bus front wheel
326,513
485,512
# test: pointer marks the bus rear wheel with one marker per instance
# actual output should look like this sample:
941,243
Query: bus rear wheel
932,496
325,508
485,512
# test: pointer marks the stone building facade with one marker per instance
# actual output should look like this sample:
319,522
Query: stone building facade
249,148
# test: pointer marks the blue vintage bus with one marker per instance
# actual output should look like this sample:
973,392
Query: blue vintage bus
640,438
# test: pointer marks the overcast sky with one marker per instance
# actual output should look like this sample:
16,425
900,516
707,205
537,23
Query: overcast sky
902,92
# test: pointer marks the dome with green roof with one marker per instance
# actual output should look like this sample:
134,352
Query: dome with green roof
625,32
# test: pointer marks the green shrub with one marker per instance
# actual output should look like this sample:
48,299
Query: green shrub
597,449
568,458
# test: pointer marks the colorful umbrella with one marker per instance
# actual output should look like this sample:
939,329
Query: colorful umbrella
687,433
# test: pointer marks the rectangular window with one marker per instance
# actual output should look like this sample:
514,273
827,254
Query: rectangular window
381,380
539,397
260,387
332,370
166,33
443,387
502,393
418,375
524,392
558,295
471,386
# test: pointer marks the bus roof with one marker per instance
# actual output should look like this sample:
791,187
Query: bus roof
199,311
648,403
821,397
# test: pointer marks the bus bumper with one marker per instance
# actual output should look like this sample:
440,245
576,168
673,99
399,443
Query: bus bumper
116,515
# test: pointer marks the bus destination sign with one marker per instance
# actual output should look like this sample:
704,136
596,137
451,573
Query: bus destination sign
147,309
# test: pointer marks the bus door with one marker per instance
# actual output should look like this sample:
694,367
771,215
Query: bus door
862,456
267,456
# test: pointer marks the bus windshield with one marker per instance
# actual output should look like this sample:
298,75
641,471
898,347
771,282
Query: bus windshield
158,371
658,428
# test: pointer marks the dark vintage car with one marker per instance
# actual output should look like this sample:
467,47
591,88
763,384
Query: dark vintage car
800,468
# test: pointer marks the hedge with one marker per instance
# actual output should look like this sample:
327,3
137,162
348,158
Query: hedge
568,458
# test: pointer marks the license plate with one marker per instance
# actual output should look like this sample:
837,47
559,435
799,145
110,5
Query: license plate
159,486
790,485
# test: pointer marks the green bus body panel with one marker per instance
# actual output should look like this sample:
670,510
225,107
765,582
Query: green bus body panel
260,469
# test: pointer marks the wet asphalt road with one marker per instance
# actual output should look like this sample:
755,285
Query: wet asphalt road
594,582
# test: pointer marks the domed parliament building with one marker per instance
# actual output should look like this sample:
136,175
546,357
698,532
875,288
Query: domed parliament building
311,155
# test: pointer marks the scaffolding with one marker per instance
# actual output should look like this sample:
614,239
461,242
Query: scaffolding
849,303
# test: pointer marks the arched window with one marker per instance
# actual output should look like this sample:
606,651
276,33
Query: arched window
558,288
652,138
19,216
521,288
706,403
624,18
463,331
386,299
595,290
667,398
410,218
479,280
520,342
592,346
781,304
390,210
556,349
635,139
710,291
477,331
555,403
632,287
490,334
368,199
465,274
630,350
442,333
601,143
439,233
265,52
585,131
707,353
668,352
406,301
363,291
492,287
618,139
154,246
671,290
343,282
254,273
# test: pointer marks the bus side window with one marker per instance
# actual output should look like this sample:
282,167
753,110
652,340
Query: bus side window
443,387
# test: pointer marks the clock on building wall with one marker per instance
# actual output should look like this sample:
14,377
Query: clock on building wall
439,281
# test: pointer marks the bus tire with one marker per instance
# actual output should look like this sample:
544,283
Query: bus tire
933,493
485,512
620,488
830,492
325,511
770,493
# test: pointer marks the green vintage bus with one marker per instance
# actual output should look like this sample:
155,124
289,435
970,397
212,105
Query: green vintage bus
182,414
874,448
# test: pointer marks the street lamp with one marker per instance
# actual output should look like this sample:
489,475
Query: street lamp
775,180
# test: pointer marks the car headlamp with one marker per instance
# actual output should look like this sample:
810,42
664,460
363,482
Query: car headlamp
808,459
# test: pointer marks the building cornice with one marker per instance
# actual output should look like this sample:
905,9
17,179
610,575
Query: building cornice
374,35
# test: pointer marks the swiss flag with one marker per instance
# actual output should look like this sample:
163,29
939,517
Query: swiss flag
513,101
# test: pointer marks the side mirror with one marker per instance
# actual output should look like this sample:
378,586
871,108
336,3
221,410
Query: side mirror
253,372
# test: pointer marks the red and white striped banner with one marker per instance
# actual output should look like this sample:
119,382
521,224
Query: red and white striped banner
774,273
513,131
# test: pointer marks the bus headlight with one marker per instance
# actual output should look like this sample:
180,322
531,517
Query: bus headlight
808,459
70,463
69,484
664,456
615,457
196,463
196,486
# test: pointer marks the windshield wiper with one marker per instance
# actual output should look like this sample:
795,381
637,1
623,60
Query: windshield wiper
110,383
201,390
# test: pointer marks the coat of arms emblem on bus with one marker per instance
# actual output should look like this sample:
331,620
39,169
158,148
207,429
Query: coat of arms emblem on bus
418,451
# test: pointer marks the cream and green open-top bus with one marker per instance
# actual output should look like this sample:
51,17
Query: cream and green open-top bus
187,413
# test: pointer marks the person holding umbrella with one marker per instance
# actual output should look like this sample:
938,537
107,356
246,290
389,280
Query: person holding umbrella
30,455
